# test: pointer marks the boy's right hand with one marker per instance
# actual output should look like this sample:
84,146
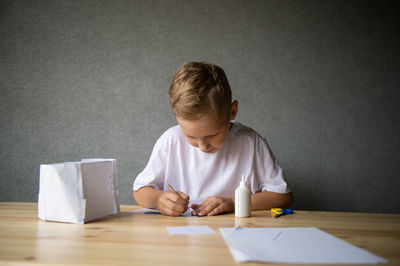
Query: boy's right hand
170,203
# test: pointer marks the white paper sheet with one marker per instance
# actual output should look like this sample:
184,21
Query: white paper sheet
154,211
293,245
190,230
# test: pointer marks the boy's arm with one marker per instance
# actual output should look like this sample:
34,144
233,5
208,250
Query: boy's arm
167,202
147,196
266,200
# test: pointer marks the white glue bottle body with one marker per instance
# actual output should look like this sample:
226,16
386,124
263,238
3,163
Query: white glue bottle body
242,200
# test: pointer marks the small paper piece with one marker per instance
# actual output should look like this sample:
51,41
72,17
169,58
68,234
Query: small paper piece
293,245
155,211
146,211
189,230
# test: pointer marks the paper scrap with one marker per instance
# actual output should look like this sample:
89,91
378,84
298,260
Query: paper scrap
190,230
155,211
293,245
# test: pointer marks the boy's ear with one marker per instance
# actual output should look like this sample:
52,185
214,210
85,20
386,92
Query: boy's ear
234,110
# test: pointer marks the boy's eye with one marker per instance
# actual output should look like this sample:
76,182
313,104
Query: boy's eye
211,136
206,137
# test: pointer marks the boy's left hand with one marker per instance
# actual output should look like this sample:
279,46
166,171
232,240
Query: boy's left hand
213,206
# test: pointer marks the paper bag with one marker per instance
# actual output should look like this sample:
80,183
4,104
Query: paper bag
78,192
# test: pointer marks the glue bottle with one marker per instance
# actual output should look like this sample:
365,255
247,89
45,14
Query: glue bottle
242,200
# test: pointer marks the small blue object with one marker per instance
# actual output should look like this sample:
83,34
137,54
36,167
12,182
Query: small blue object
276,212
287,211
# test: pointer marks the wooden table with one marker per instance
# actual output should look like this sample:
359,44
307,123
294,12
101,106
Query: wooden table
142,239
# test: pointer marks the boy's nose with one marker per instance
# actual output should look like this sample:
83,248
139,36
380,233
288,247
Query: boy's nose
203,145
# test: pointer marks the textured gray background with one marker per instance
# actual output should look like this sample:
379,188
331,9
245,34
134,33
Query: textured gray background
318,79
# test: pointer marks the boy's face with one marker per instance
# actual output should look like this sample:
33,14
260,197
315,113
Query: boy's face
207,133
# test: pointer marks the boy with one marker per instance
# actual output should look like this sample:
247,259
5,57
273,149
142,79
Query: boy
205,156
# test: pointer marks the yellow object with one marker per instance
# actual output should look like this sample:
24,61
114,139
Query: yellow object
276,210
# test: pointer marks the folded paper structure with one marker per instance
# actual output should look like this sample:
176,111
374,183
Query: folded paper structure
78,192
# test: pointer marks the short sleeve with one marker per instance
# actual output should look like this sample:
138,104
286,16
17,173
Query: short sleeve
154,172
267,172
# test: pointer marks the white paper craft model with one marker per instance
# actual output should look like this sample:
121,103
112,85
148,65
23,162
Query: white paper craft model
78,192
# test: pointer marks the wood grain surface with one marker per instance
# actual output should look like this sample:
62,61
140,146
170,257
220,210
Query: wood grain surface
142,239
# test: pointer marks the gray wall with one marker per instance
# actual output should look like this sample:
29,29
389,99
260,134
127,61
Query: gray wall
318,79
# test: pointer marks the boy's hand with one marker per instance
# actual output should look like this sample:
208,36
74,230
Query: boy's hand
170,203
213,206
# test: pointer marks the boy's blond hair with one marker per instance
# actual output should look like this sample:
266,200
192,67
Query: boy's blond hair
200,88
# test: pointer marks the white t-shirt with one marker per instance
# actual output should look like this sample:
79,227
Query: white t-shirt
200,175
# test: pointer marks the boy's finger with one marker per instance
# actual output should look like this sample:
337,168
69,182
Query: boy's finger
173,208
194,206
183,195
202,207
215,211
164,209
201,210
208,208
179,200
172,196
